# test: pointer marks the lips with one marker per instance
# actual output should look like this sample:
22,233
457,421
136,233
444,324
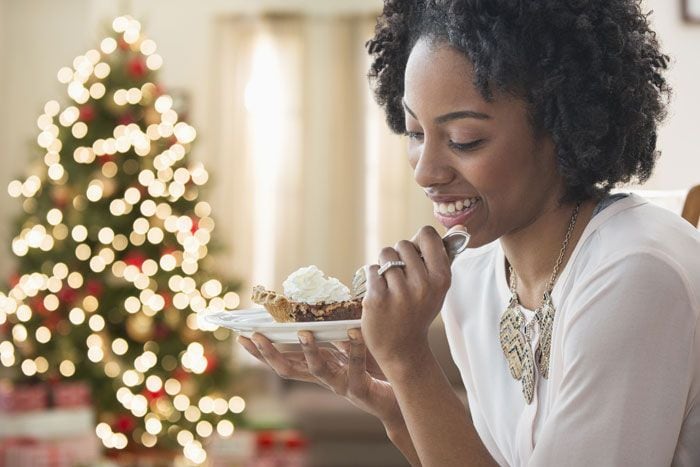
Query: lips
449,215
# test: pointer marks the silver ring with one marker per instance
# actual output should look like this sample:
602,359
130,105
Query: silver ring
390,264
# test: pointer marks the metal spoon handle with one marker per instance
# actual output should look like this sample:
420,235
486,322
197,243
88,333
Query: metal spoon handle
455,243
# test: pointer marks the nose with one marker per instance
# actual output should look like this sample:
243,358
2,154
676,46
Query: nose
430,165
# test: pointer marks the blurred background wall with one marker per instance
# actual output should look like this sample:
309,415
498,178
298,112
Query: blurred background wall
37,37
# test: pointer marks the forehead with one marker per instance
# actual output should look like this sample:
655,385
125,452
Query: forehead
439,75
440,79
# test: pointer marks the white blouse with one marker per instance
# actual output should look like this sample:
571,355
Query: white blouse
624,379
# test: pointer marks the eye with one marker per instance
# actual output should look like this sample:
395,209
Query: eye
464,147
414,136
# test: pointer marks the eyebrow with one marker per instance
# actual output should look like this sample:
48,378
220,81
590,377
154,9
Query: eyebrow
452,115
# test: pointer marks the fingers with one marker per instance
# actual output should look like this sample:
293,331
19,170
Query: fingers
433,250
409,254
394,274
250,347
376,284
283,366
357,368
317,364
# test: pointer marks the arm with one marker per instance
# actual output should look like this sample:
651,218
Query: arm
349,371
397,312
628,347
439,424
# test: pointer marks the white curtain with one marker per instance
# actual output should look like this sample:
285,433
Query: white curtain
307,171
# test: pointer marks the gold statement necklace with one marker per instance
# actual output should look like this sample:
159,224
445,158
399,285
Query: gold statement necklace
516,334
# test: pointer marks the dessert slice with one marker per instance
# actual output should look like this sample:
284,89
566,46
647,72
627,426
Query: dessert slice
309,296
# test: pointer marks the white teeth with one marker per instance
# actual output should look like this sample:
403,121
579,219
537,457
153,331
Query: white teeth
452,208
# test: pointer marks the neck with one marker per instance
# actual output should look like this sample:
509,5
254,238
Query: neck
532,250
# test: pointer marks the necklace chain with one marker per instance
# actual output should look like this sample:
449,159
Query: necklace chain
516,334
557,264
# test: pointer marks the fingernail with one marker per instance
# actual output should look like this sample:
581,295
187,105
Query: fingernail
353,334
303,338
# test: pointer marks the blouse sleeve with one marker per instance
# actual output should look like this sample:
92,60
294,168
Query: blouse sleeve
627,358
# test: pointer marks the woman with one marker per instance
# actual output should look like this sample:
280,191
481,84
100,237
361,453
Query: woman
573,317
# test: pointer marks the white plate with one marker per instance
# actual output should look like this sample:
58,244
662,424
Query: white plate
246,322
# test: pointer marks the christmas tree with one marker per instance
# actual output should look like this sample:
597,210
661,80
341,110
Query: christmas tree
111,247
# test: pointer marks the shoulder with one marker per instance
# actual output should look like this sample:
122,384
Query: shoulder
638,268
634,238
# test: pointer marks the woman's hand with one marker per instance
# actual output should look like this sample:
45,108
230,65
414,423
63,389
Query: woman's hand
347,369
400,305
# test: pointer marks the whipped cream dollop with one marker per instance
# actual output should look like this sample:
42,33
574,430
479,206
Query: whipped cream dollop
309,285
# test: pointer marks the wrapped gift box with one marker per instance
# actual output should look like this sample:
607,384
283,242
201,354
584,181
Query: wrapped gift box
69,452
71,394
23,398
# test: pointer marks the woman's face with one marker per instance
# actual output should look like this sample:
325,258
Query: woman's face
479,162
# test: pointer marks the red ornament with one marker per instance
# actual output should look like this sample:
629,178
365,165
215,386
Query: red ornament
195,225
126,119
52,321
94,288
212,363
103,159
181,374
168,299
153,395
123,45
135,258
87,113
67,296
161,332
136,68
37,305
265,440
124,424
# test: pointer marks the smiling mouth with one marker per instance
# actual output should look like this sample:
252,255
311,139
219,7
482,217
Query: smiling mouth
454,209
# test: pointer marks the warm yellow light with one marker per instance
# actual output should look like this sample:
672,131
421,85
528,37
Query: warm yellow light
43,335
65,75
102,70
108,45
83,252
130,378
90,303
154,383
120,346
76,316
95,354
236,404
112,369
75,280
224,428
79,130
96,323
192,413
79,233
67,368
28,367
204,429
42,364
154,61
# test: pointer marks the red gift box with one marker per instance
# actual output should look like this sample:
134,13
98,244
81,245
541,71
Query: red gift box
15,452
71,394
23,398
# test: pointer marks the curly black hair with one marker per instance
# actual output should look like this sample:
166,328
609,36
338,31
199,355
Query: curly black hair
590,70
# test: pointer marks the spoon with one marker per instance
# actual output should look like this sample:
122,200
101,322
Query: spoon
455,243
